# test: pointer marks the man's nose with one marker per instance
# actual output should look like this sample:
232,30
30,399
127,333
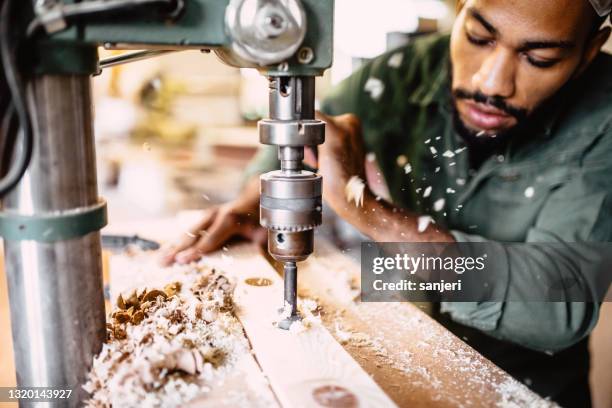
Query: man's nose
497,75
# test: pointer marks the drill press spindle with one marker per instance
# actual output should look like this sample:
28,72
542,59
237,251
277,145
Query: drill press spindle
290,203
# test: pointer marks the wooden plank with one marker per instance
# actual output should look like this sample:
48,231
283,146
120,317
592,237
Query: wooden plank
416,361
245,385
307,369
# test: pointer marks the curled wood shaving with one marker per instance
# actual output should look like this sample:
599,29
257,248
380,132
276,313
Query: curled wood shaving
167,347
354,190
308,309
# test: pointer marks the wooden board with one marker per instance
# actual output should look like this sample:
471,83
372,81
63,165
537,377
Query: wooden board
416,361
245,385
306,369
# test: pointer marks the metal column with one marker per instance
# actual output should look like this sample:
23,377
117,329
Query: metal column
55,289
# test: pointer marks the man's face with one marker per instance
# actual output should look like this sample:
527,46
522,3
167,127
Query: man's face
509,57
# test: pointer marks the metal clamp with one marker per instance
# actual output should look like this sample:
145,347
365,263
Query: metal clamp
52,227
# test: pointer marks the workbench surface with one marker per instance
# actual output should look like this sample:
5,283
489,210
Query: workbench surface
416,361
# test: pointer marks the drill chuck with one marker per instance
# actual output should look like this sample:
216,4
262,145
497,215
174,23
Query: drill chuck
290,208
290,198
290,202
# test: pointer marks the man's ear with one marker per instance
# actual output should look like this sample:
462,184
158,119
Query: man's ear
593,47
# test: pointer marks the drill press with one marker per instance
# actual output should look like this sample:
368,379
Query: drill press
290,203
51,214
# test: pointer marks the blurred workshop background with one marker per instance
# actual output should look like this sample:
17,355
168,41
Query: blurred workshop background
175,132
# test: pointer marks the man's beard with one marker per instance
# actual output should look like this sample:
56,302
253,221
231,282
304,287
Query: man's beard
482,140
481,144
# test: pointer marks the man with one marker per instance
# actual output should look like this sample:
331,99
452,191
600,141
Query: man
507,137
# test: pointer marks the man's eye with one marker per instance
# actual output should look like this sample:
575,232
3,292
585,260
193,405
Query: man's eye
480,42
540,63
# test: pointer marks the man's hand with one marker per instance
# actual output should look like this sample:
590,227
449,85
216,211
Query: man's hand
239,218
341,157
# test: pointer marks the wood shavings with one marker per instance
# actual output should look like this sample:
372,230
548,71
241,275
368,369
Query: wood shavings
401,160
354,191
308,310
342,335
395,61
297,327
375,87
172,289
439,204
423,223
134,308
285,312
166,348
513,394
434,355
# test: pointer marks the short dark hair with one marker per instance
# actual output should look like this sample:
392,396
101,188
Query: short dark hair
597,21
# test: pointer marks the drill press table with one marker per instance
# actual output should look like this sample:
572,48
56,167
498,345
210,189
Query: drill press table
413,359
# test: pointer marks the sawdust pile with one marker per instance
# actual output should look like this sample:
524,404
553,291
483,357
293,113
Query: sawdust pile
166,347
432,352
309,311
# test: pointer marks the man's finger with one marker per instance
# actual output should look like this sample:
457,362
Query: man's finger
216,235
189,239
254,233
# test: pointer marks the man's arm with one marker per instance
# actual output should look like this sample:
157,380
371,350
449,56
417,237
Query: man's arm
546,325
578,212
383,222
510,272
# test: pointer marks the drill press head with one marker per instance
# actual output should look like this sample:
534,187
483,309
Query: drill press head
290,201
274,36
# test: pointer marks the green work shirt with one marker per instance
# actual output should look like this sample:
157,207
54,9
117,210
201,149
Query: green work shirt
553,185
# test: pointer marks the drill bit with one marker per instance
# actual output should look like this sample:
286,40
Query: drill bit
290,280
